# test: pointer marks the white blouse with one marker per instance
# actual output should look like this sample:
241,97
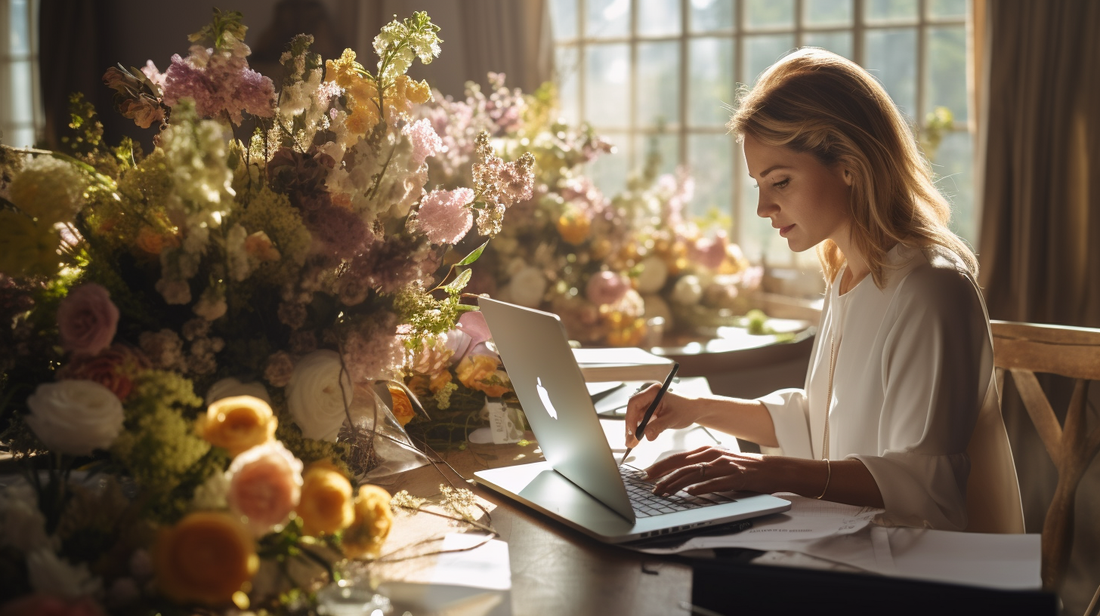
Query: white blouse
913,396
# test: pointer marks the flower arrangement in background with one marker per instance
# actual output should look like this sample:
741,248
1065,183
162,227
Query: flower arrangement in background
567,249
689,273
202,328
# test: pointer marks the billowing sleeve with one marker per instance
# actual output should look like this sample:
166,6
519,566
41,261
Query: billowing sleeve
790,413
934,371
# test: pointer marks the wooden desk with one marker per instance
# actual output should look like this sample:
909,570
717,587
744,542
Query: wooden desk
555,570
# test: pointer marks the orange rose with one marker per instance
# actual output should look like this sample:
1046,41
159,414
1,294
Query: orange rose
373,520
206,558
326,500
238,423
402,406
439,381
482,372
574,227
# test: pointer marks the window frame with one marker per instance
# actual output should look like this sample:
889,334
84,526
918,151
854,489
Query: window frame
626,138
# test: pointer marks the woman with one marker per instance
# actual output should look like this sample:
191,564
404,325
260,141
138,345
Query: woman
900,409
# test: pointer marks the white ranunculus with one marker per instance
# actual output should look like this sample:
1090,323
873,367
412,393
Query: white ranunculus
22,525
527,287
52,576
75,417
314,395
653,275
228,388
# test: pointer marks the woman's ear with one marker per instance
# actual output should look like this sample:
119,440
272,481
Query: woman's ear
847,176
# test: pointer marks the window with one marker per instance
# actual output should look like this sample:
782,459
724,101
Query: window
18,72
664,73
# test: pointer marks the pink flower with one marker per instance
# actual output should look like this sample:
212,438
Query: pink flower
709,252
606,288
113,368
444,216
87,320
265,483
425,142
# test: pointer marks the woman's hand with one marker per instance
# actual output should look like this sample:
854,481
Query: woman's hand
674,411
713,469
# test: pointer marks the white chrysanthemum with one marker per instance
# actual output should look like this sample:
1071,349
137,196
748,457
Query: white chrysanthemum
22,525
527,287
52,576
653,275
687,291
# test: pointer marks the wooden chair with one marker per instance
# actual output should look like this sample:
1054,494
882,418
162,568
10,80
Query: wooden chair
1024,349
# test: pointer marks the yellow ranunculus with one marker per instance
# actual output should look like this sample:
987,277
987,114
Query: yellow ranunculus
238,423
373,520
483,373
439,381
326,502
205,558
574,227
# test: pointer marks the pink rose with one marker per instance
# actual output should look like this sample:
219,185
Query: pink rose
114,368
473,324
606,288
710,253
265,483
87,320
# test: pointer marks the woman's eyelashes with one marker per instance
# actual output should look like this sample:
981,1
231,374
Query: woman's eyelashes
780,184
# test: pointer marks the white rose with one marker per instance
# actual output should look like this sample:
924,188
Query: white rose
314,395
228,388
75,417
687,291
654,274
52,576
22,525
527,287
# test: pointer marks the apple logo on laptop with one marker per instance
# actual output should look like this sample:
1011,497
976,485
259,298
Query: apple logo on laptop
545,397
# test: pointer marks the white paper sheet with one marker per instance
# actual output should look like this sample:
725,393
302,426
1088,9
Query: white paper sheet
995,561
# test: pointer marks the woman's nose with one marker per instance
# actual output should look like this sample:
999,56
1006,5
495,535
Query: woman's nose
764,206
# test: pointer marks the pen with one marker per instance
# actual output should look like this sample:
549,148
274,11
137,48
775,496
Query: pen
640,430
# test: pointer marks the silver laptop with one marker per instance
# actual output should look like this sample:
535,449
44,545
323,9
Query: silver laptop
581,483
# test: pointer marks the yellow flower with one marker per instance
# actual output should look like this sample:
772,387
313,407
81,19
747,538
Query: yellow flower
206,558
27,248
373,520
238,423
402,406
481,372
326,501
439,381
574,227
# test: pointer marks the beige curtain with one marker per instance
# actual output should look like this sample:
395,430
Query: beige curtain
1039,139
503,36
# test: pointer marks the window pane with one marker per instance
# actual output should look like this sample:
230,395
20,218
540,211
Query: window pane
891,56
21,97
607,18
658,73
607,85
947,8
836,42
710,82
953,168
609,172
658,17
710,164
711,15
567,68
22,137
947,71
18,29
890,10
665,145
563,19
827,12
764,50
769,14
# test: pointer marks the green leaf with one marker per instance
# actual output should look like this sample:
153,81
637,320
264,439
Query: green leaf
473,256
460,281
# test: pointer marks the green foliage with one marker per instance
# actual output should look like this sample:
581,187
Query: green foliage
224,23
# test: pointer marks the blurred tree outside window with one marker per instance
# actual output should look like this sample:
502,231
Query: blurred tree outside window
671,69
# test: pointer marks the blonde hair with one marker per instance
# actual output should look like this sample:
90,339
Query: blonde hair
817,102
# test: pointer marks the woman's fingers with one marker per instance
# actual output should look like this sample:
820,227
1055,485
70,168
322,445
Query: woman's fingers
704,470
685,458
635,411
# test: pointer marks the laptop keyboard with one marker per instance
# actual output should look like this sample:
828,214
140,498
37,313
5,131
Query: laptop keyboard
647,504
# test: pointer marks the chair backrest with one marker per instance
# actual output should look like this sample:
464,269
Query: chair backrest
1024,349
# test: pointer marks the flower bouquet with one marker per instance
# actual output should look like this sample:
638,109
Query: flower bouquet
193,337
568,248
